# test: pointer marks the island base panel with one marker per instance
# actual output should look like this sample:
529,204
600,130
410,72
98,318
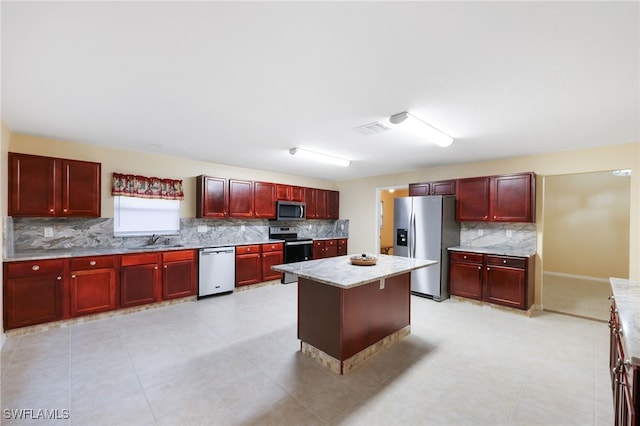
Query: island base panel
344,367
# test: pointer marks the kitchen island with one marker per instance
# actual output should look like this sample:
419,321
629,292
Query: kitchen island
347,313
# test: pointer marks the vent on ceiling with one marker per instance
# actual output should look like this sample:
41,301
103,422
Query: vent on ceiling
372,128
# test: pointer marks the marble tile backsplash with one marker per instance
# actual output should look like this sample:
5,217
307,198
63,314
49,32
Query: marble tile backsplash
28,233
517,236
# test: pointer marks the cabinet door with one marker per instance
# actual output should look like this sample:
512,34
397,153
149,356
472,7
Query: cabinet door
472,203
80,189
32,300
93,291
264,200
297,193
321,204
31,185
318,249
443,187
269,259
138,285
505,286
512,198
178,279
333,205
212,197
419,189
283,192
465,279
342,247
330,248
310,195
248,269
240,198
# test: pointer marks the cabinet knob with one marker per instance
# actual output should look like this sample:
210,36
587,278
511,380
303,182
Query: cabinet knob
504,261
464,257
613,311
479,268
165,266
35,267
610,297
155,267
58,277
488,269
92,263
64,210
73,276
50,210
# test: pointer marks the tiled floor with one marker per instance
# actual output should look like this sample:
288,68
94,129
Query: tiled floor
575,296
234,360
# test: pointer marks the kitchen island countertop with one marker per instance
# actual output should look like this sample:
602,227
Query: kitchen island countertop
626,294
339,272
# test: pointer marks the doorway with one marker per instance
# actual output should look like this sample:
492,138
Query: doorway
385,197
586,241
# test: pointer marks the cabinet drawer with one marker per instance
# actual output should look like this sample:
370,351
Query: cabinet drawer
342,242
248,249
168,256
330,243
318,243
272,247
462,256
139,259
35,267
92,262
511,262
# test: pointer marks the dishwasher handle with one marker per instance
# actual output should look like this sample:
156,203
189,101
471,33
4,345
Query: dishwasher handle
208,252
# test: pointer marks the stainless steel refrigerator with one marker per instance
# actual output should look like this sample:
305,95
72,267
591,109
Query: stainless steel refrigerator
424,227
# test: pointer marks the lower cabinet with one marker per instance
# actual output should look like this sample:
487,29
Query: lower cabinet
92,285
272,254
326,248
178,274
342,247
33,292
503,280
625,377
139,279
248,265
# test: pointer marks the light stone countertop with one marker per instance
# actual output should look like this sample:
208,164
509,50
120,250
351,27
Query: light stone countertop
497,250
97,251
626,294
339,272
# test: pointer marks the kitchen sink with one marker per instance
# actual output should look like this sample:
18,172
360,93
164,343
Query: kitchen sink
154,247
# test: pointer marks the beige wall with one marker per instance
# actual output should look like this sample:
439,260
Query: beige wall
115,160
5,136
358,198
581,209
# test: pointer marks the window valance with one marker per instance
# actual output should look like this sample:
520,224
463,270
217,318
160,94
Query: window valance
146,187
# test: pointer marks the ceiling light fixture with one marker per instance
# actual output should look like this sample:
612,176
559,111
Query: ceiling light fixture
420,128
323,158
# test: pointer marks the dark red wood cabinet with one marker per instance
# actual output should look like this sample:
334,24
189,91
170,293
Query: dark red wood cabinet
241,198
502,280
272,254
310,196
342,246
92,285
264,200
33,292
289,192
503,198
139,279
179,274
333,205
212,197
326,248
46,186
248,265
441,187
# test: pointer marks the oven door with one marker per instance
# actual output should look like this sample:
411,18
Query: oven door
296,251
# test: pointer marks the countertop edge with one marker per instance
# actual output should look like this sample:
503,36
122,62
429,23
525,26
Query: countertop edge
500,251
626,294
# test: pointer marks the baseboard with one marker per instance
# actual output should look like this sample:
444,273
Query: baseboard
576,277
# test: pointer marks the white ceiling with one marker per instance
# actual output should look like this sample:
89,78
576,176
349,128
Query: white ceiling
240,83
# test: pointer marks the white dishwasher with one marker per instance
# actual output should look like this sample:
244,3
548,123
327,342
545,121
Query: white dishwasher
217,271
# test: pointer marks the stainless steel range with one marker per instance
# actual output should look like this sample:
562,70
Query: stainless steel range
295,249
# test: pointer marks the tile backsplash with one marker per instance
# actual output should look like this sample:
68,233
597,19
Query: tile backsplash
23,234
519,236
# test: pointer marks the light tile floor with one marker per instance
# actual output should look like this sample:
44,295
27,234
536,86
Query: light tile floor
235,360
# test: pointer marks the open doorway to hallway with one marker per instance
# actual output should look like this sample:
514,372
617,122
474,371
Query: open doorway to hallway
385,197
585,241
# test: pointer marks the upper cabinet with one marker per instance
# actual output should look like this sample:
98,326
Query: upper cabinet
212,197
220,198
504,198
441,187
46,186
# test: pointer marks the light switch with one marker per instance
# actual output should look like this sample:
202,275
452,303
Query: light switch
202,228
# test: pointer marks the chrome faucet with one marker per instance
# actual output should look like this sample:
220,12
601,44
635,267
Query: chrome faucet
154,239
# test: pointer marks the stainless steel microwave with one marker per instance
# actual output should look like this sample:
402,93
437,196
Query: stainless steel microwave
291,210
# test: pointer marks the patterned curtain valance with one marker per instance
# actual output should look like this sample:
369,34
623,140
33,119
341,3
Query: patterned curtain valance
146,187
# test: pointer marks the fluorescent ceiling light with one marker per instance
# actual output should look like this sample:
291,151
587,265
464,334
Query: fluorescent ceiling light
323,158
420,128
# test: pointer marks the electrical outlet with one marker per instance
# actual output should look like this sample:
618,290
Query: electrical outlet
509,233
242,228
48,231
202,228
480,232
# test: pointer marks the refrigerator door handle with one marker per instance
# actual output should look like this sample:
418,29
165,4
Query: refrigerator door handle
412,235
